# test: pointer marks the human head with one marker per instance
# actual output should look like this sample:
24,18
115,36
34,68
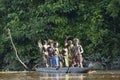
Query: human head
76,40
56,44
50,41
44,42
69,42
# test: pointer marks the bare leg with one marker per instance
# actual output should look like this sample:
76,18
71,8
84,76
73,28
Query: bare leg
47,65
81,65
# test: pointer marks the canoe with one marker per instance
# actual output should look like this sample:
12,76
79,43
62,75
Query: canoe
63,70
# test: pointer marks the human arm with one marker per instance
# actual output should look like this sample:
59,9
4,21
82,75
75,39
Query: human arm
81,49
40,45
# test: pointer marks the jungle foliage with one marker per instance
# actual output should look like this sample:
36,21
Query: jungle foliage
95,22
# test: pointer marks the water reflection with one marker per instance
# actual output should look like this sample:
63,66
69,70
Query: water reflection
61,76
99,75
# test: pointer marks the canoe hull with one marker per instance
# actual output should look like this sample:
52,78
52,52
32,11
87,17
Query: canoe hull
63,70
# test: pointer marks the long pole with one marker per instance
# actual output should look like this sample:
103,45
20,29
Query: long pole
16,53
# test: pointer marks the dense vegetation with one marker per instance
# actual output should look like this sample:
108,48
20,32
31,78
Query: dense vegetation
95,22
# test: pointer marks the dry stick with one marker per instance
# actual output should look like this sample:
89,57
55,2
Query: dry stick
16,50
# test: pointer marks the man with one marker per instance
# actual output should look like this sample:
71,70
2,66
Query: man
70,47
78,50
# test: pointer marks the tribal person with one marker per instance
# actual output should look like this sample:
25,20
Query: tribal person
78,50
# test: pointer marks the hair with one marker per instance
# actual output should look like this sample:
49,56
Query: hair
50,41
70,41
56,44
76,39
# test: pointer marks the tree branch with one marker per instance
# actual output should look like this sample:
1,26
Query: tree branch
16,53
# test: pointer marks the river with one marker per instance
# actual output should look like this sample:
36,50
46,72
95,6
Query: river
98,75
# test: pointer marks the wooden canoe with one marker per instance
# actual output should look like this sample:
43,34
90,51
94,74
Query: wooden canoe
63,70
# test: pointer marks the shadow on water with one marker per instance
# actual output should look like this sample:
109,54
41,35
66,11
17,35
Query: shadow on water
98,75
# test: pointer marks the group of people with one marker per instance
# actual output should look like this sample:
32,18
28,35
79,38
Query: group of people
70,55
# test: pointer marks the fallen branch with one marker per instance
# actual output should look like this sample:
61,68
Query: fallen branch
16,49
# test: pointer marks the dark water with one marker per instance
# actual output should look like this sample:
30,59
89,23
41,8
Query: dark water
98,75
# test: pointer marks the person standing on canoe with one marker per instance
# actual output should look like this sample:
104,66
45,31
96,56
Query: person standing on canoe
45,53
65,57
44,50
50,50
69,45
55,57
78,50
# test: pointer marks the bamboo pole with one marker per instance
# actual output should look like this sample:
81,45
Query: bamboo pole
16,52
